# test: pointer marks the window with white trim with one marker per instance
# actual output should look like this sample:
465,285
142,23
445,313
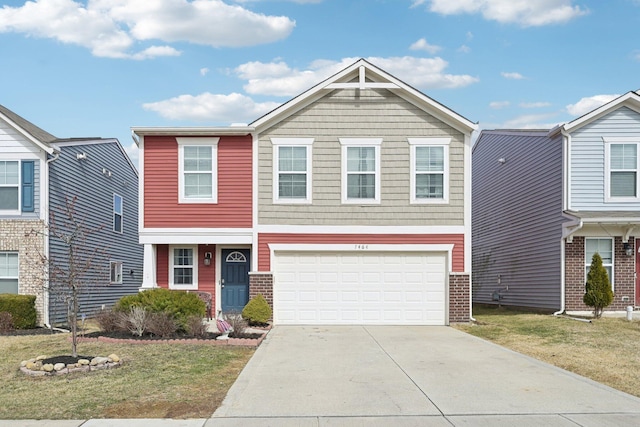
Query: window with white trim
198,170
115,269
183,267
9,272
117,213
604,247
292,170
361,170
621,169
429,170
9,186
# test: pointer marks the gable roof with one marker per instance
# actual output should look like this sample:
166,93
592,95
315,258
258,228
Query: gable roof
629,99
33,133
79,142
369,77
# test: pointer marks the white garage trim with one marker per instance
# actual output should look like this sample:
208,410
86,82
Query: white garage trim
361,284
360,247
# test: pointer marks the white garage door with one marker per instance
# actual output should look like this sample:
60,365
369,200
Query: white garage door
386,288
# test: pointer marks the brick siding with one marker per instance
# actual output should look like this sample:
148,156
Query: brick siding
575,276
458,297
261,283
26,237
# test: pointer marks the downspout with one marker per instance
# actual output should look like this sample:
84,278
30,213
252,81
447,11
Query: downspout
45,297
567,237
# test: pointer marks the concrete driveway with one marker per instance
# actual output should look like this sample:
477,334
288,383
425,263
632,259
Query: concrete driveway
427,376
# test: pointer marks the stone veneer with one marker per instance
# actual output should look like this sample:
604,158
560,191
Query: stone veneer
459,309
575,276
27,238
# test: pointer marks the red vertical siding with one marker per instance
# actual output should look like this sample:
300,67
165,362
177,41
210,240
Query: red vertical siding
162,266
264,239
161,207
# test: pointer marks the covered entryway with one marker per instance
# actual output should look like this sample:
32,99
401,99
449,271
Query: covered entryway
235,265
360,287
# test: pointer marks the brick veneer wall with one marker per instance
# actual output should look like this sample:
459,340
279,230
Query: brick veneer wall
575,276
27,238
459,297
262,283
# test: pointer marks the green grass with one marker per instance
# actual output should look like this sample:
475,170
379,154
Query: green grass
156,380
605,350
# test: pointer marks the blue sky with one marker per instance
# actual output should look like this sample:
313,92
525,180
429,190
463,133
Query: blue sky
99,67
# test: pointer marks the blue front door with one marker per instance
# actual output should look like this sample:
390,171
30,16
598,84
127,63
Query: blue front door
235,279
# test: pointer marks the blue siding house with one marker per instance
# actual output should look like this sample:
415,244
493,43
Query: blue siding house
545,201
39,173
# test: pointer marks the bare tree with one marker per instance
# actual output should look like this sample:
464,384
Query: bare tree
78,266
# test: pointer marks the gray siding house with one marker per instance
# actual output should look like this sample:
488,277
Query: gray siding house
545,201
38,174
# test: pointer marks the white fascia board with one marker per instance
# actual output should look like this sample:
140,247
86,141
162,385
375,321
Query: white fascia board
196,236
194,131
629,99
42,146
362,229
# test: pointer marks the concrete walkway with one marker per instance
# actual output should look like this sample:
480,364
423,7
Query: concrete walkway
400,376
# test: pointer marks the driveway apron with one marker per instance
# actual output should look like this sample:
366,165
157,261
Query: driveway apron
392,371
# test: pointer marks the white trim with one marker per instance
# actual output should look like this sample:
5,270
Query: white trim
431,142
196,236
117,264
467,216
607,168
198,141
48,149
194,285
277,143
149,267
141,184
629,99
362,229
218,273
256,201
347,143
360,248
114,213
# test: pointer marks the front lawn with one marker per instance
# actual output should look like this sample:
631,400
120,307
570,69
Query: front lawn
156,380
606,350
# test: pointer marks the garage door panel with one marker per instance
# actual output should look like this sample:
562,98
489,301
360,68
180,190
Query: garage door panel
359,288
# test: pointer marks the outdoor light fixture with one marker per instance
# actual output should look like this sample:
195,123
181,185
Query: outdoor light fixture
207,258
628,249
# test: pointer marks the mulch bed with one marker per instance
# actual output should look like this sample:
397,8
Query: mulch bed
35,331
150,337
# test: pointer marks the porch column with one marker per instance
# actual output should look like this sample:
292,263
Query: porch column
149,268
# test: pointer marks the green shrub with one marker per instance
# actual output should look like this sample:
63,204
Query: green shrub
22,309
598,293
257,311
178,304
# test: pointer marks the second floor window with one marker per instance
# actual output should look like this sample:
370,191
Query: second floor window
9,186
198,170
623,163
361,170
117,213
292,170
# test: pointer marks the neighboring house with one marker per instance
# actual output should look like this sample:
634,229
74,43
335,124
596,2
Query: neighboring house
38,173
349,204
545,201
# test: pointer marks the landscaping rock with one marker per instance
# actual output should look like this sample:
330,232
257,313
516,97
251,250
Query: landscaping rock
31,366
47,367
99,361
59,366
114,358
83,362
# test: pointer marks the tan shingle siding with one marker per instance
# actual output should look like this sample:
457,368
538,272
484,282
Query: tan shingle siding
371,113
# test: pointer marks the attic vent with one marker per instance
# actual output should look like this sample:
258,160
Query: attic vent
106,172
81,156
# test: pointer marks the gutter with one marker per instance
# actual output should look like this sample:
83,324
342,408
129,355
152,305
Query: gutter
45,296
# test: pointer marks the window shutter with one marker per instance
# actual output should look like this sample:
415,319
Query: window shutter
28,177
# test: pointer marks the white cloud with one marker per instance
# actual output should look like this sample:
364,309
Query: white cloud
525,13
422,44
512,76
111,28
588,104
211,108
497,105
278,79
534,104
204,71
532,121
132,152
464,49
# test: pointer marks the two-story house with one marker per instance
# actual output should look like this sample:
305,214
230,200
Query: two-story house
349,204
39,173
545,201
